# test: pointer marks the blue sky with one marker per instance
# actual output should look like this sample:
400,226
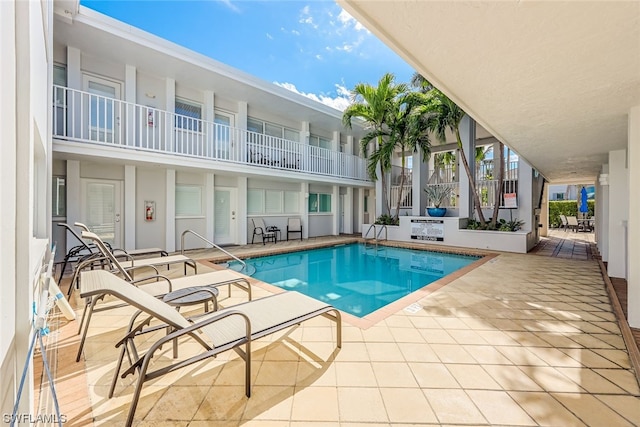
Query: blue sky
311,47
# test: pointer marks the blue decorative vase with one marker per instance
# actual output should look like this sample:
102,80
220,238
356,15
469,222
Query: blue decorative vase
437,211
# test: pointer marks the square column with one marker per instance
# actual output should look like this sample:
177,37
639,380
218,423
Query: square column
468,137
633,225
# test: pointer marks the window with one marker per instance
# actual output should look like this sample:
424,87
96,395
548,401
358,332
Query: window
188,115
271,129
273,202
318,141
319,203
58,196
188,200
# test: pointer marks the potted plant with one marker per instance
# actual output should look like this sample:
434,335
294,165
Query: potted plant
436,195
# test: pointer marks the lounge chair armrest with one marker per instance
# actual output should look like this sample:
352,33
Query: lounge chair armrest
135,267
157,277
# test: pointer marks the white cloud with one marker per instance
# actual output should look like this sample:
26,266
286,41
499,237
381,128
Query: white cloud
340,102
349,21
269,36
230,5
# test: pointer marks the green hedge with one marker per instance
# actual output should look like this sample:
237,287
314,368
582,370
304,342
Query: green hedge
568,208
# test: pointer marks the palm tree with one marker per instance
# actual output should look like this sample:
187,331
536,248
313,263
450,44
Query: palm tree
406,130
372,104
448,117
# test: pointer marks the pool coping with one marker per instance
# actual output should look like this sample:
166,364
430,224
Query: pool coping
388,310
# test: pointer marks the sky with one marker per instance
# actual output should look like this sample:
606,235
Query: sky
312,47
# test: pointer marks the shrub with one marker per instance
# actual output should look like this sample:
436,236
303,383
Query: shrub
386,220
501,225
567,208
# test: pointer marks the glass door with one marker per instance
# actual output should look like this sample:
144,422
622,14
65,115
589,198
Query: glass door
102,109
223,141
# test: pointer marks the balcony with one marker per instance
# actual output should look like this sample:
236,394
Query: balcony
88,118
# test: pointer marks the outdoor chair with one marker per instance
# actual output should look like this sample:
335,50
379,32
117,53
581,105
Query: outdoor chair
160,286
294,225
573,224
563,222
267,233
216,332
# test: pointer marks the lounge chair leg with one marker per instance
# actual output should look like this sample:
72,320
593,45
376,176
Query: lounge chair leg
86,327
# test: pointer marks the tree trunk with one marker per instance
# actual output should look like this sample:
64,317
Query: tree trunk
472,181
401,188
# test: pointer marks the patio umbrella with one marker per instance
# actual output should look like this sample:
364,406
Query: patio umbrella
583,201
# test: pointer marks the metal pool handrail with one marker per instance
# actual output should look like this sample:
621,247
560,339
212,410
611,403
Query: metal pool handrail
244,264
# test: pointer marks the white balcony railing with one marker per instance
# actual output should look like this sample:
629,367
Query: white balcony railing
85,117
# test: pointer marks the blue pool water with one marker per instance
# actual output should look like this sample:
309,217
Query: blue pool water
355,279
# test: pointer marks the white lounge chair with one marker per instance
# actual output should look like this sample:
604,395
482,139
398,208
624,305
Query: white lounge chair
159,287
267,233
573,224
227,329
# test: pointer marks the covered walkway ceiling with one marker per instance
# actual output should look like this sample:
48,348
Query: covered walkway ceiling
553,80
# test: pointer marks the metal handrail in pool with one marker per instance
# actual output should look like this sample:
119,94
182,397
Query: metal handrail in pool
204,239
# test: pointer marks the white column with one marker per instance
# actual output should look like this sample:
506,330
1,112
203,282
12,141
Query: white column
73,198
525,205
170,220
209,116
129,207
241,211
468,137
602,213
304,211
335,201
209,206
618,213
130,96
170,106
633,227
419,176
74,69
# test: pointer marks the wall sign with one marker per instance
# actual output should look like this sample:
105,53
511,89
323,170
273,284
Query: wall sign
427,229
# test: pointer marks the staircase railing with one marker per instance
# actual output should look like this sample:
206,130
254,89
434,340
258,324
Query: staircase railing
377,231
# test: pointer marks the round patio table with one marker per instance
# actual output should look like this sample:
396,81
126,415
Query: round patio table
193,295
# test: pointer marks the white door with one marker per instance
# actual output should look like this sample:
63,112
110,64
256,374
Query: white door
224,221
103,109
223,141
101,209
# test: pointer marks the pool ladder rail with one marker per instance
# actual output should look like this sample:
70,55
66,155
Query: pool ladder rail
238,265
377,231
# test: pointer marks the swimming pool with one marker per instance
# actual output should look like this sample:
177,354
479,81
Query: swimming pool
355,279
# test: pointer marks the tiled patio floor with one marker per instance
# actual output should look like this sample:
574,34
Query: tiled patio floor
520,340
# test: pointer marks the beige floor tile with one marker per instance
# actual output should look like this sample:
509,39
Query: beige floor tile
437,336
384,352
377,334
521,356
361,405
590,359
622,378
497,338
590,410
390,374
315,404
545,410
407,405
558,340
433,375
310,374
626,406
355,374
452,353
222,403
423,322
499,408
467,337
511,378
551,380
178,403
269,403
473,377
454,406
406,335
486,354
353,351
277,373
619,357
590,380
554,357
528,339
414,352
